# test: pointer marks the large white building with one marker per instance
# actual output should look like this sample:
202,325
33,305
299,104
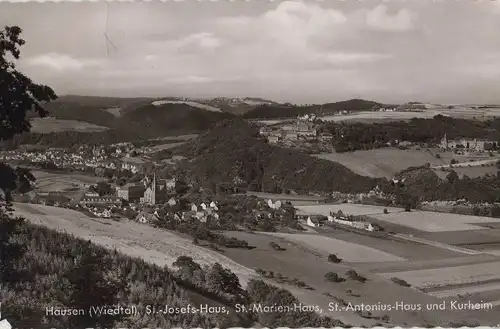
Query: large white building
478,145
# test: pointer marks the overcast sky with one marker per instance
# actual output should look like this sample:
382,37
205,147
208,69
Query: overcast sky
302,52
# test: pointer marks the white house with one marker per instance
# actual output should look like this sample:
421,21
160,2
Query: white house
144,217
4,324
194,207
213,205
270,203
274,205
203,206
172,202
313,221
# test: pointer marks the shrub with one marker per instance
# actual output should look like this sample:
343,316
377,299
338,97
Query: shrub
401,282
353,275
333,277
385,211
275,246
334,259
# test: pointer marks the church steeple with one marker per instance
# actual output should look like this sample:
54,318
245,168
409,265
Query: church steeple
153,188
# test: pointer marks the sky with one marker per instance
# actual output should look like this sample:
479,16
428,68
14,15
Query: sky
438,51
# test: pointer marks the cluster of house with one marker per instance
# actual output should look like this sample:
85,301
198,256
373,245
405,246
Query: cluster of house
301,129
475,145
319,220
201,212
118,157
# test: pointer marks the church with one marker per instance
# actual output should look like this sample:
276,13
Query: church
156,189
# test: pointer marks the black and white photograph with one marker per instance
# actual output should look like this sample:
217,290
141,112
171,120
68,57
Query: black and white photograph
250,164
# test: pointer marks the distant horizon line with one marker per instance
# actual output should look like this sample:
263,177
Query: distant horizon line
278,101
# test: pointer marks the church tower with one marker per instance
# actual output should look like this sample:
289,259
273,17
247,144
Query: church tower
444,142
153,189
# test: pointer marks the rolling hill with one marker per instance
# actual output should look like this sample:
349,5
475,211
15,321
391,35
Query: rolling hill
170,118
233,151
273,111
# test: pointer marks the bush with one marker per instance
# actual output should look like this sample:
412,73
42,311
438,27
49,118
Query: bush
275,246
385,211
334,259
333,277
401,282
353,275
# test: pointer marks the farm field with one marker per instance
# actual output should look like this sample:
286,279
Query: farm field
436,222
312,267
404,249
287,197
116,111
348,251
166,146
472,172
426,114
157,246
384,162
48,125
469,289
467,239
190,103
347,209
61,182
449,276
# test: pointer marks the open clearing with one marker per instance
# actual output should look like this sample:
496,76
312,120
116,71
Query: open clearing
384,162
285,197
190,103
426,221
157,246
303,264
48,125
472,289
349,252
472,172
347,209
435,221
116,111
411,251
60,182
432,278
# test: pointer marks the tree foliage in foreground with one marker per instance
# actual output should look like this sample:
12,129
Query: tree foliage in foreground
19,95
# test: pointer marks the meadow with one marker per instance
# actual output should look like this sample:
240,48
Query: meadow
449,276
347,251
347,209
48,125
428,221
129,237
384,162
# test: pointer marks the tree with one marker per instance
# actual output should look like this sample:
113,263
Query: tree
181,187
18,96
10,249
333,258
333,277
103,188
222,279
94,285
452,177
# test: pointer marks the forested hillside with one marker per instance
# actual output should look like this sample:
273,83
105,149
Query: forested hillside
233,152
287,111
